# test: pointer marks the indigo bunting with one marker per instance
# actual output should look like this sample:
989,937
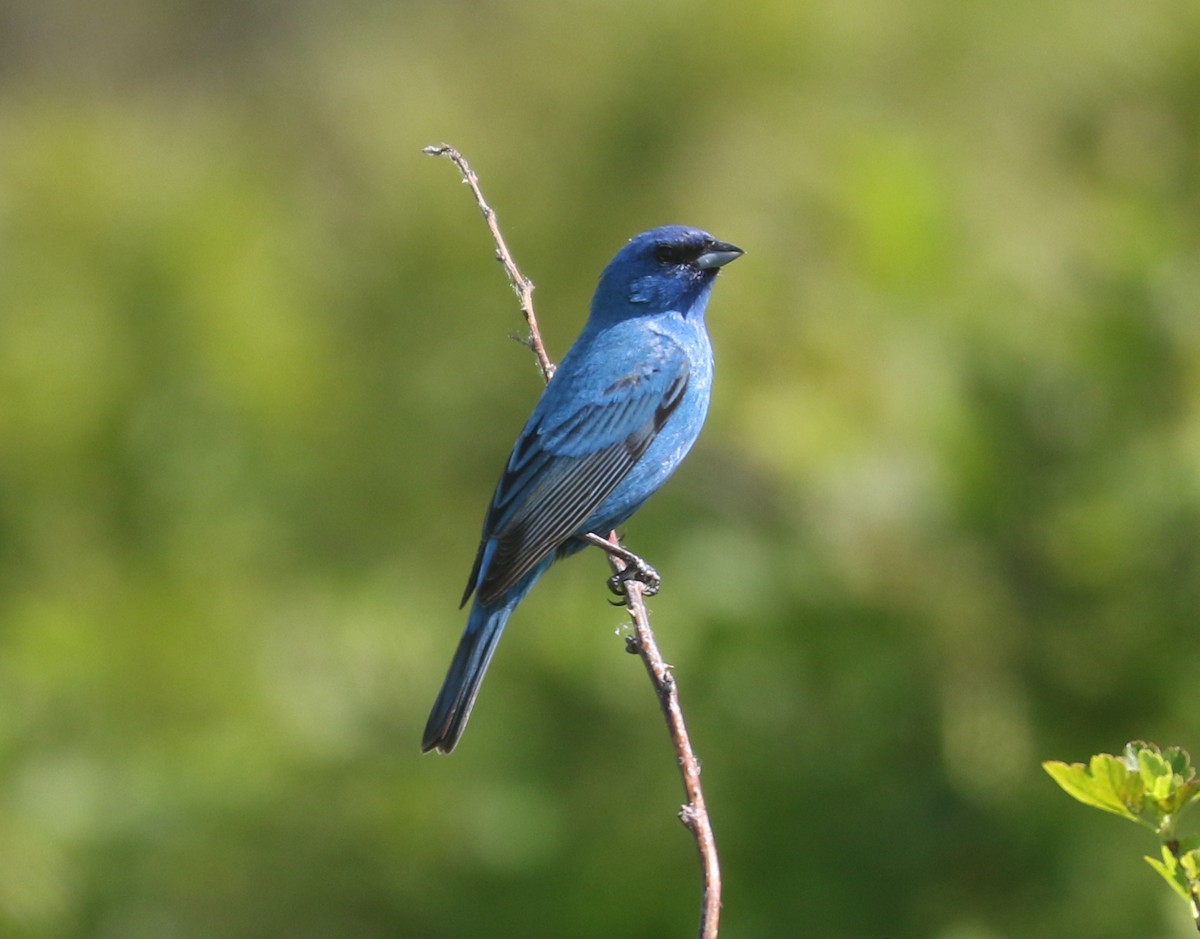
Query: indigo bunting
621,412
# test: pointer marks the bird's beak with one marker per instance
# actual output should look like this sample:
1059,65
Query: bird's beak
719,253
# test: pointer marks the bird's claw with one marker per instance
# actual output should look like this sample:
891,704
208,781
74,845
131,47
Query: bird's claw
639,570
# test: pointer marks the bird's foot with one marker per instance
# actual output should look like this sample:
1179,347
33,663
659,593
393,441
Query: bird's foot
635,569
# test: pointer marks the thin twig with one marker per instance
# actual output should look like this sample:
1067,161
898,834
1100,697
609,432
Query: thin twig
521,284
694,813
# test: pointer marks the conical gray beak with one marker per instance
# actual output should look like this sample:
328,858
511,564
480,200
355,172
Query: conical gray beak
719,253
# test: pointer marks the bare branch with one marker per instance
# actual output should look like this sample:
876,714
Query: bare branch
521,284
694,813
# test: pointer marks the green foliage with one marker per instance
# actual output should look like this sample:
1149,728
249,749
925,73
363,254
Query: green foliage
1180,867
1145,785
1150,787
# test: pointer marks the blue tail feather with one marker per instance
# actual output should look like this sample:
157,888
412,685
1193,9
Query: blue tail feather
453,706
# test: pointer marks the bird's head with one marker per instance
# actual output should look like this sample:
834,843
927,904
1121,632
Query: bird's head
668,268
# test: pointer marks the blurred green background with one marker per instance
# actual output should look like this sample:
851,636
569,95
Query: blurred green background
255,389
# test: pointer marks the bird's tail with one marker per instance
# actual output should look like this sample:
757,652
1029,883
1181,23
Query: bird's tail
450,711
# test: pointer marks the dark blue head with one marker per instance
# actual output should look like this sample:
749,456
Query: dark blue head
668,268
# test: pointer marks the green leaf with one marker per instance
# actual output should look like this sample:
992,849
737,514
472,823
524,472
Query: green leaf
1105,783
1181,762
1172,872
1168,777
1156,774
1124,786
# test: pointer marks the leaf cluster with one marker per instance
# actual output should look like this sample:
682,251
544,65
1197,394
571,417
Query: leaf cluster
1149,786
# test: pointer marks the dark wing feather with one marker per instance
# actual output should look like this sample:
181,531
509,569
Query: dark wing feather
545,496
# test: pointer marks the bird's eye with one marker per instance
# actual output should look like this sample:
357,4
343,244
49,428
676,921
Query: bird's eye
666,254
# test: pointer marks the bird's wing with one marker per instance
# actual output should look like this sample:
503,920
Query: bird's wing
567,461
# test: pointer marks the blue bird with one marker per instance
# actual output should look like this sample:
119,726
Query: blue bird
622,410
